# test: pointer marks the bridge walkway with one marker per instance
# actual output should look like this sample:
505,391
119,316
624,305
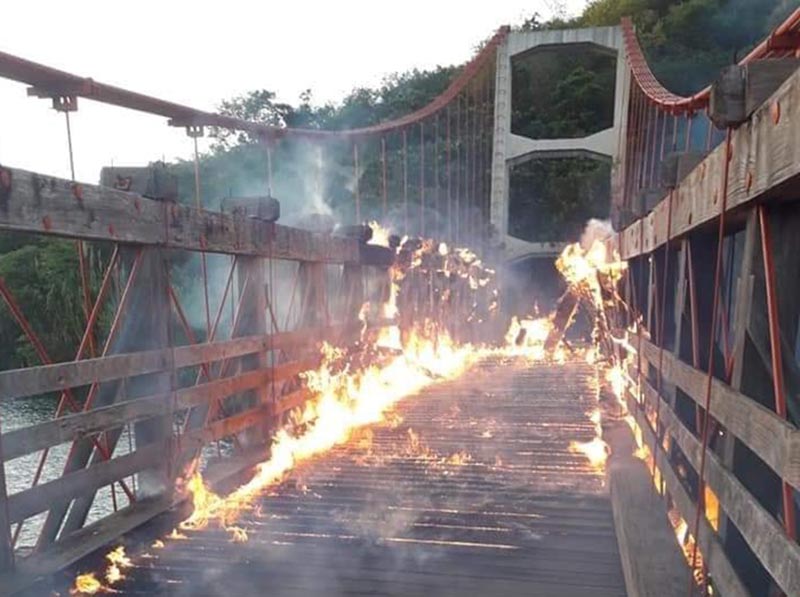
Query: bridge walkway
468,489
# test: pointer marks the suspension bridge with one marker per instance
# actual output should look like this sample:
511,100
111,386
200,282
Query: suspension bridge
470,483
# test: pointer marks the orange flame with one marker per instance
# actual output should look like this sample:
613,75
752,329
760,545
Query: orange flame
596,450
117,562
344,401
86,584
380,234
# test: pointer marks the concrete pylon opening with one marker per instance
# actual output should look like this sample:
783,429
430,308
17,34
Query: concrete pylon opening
522,131
562,91
551,197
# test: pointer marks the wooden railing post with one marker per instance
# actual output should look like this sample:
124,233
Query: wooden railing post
313,299
145,326
253,322
353,281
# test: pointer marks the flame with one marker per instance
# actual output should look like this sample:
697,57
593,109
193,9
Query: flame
344,400
591,275
528,336
89,584
617,377
380,234
581,266
118,561
86,584
119,557
459,458
596,450
591,355
686,543
415,447
596,418
389,337
113,574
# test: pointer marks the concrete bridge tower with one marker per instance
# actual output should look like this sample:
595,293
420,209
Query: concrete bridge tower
512,149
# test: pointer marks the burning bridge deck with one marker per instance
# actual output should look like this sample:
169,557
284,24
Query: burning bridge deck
484,497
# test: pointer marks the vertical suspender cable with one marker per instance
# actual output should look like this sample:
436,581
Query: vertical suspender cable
662,327
779,389
384,192
405,181
436,197
199,205
711,342
449,178
458,189
422,178
356,190
83,271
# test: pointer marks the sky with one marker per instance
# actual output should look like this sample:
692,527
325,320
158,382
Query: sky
199,53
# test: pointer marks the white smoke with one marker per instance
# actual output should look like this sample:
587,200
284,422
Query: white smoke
315,185
596,230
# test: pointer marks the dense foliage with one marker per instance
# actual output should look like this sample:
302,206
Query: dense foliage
686,40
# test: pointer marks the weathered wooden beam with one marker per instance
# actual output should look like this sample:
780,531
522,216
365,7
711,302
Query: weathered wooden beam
38,499
89,539
202,394
376,255
153,182
40,436
774,440
652,561
42,204
765,154
721,569
740,330
741,88
106,530
71,427
197,438
267,209
765,536
290,401
32,381
146,328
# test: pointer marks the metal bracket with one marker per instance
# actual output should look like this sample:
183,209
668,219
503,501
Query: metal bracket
195,131
65,103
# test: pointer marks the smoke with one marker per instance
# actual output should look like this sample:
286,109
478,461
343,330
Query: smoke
316,193
596,230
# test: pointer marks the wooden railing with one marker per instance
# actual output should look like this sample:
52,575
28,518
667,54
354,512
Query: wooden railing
743,366
171,380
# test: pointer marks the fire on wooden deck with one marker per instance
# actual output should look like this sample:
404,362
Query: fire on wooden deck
469,489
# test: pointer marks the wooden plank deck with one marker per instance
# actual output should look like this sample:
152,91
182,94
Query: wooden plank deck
521,514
